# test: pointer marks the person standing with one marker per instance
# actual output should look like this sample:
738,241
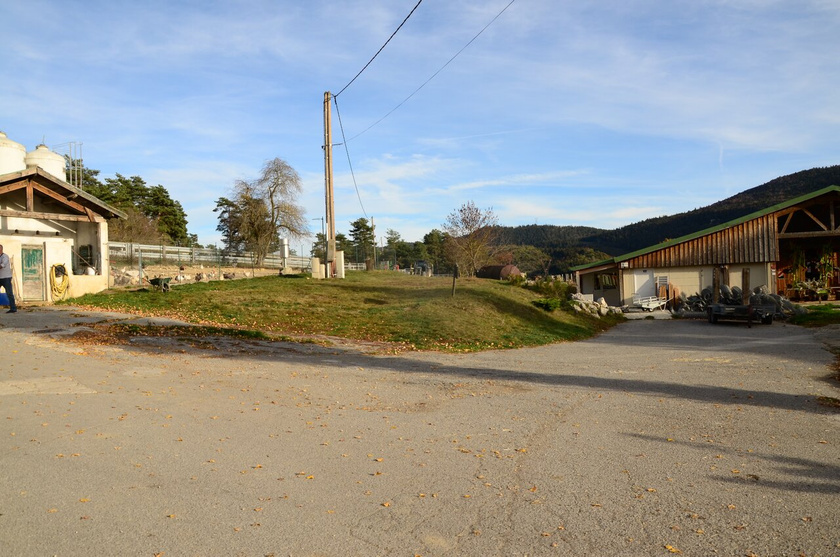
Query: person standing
6,279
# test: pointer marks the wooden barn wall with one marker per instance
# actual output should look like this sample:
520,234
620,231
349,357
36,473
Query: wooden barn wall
751,242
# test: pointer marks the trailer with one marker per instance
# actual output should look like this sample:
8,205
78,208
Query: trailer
650,303
745,312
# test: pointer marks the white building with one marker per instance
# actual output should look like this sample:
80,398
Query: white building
47,224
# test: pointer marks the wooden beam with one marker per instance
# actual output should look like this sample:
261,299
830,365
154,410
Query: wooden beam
48,216
30,198
787,222
12,187
817,234
59,197
815,219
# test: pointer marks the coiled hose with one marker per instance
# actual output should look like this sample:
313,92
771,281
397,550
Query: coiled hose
59,281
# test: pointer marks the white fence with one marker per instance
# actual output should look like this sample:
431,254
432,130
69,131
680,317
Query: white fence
175,255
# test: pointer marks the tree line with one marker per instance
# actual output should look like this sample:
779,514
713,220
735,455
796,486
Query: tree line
470,238
255,213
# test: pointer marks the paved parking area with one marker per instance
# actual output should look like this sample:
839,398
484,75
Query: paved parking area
656,438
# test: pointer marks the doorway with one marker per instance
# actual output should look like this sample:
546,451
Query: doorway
33,273
643,283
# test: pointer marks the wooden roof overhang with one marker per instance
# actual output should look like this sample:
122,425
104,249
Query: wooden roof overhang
815,218
753,238
77,204
601,266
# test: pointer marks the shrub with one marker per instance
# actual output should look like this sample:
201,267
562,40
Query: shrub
548,304
553,288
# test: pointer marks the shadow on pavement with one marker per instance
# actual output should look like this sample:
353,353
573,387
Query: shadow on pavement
806,476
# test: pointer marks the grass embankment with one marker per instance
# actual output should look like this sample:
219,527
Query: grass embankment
416,312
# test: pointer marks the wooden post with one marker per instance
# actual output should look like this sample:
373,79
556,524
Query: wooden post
455,274
745,285
716,285
328,186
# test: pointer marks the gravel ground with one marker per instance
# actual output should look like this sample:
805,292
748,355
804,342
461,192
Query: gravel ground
659,437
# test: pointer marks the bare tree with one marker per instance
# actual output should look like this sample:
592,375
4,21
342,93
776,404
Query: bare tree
471,233
267,207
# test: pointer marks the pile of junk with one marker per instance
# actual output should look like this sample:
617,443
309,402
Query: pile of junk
759,305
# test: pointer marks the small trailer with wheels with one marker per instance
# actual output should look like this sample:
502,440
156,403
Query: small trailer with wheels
748,313
650,303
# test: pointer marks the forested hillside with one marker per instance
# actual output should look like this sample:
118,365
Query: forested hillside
652,231
574,245
563,243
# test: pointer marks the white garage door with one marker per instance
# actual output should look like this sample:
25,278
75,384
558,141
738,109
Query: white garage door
643,280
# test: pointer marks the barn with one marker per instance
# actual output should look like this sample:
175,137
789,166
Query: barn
791,248
55,234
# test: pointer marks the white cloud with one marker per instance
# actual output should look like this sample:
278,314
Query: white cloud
566,112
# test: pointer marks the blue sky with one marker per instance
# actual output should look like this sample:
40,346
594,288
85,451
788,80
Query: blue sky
561,112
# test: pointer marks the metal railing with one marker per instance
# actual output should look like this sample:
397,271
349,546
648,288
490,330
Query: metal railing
176,255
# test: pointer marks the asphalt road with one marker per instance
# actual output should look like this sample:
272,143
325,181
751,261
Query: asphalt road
656,438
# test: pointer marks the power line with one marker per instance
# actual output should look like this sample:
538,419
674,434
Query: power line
380,49
346,150
335,97
437,72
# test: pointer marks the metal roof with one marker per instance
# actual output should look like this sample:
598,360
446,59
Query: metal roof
688,237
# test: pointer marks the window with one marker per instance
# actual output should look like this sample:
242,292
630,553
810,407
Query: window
606,281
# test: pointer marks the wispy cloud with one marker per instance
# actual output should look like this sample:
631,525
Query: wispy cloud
569,113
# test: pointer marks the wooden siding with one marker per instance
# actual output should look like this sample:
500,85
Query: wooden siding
753,241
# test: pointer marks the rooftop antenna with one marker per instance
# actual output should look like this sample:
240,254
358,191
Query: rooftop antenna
74,165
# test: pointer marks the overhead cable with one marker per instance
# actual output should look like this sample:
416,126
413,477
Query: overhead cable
346,150
380,49
437,72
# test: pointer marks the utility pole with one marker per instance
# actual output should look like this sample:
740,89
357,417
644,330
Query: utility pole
328,185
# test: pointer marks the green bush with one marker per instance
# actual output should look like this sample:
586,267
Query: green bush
548,304
553,288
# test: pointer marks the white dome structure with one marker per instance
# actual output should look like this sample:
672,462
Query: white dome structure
49,161
12,155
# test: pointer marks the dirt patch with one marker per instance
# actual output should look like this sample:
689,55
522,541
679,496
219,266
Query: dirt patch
181,338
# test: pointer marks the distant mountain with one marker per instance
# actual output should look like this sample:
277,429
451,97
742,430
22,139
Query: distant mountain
652,231
569,244
563,243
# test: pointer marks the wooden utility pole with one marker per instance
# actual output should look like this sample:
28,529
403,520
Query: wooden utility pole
328,185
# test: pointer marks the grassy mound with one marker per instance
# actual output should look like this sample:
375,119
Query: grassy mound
415,312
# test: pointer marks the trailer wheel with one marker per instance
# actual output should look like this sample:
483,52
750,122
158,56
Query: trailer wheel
712,317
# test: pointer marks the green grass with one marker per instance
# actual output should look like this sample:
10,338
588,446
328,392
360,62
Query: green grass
818,316
416,312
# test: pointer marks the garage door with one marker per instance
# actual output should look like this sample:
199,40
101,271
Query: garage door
643,280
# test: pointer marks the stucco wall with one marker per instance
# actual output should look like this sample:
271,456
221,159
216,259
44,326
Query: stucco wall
57,250
691,280
87,284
